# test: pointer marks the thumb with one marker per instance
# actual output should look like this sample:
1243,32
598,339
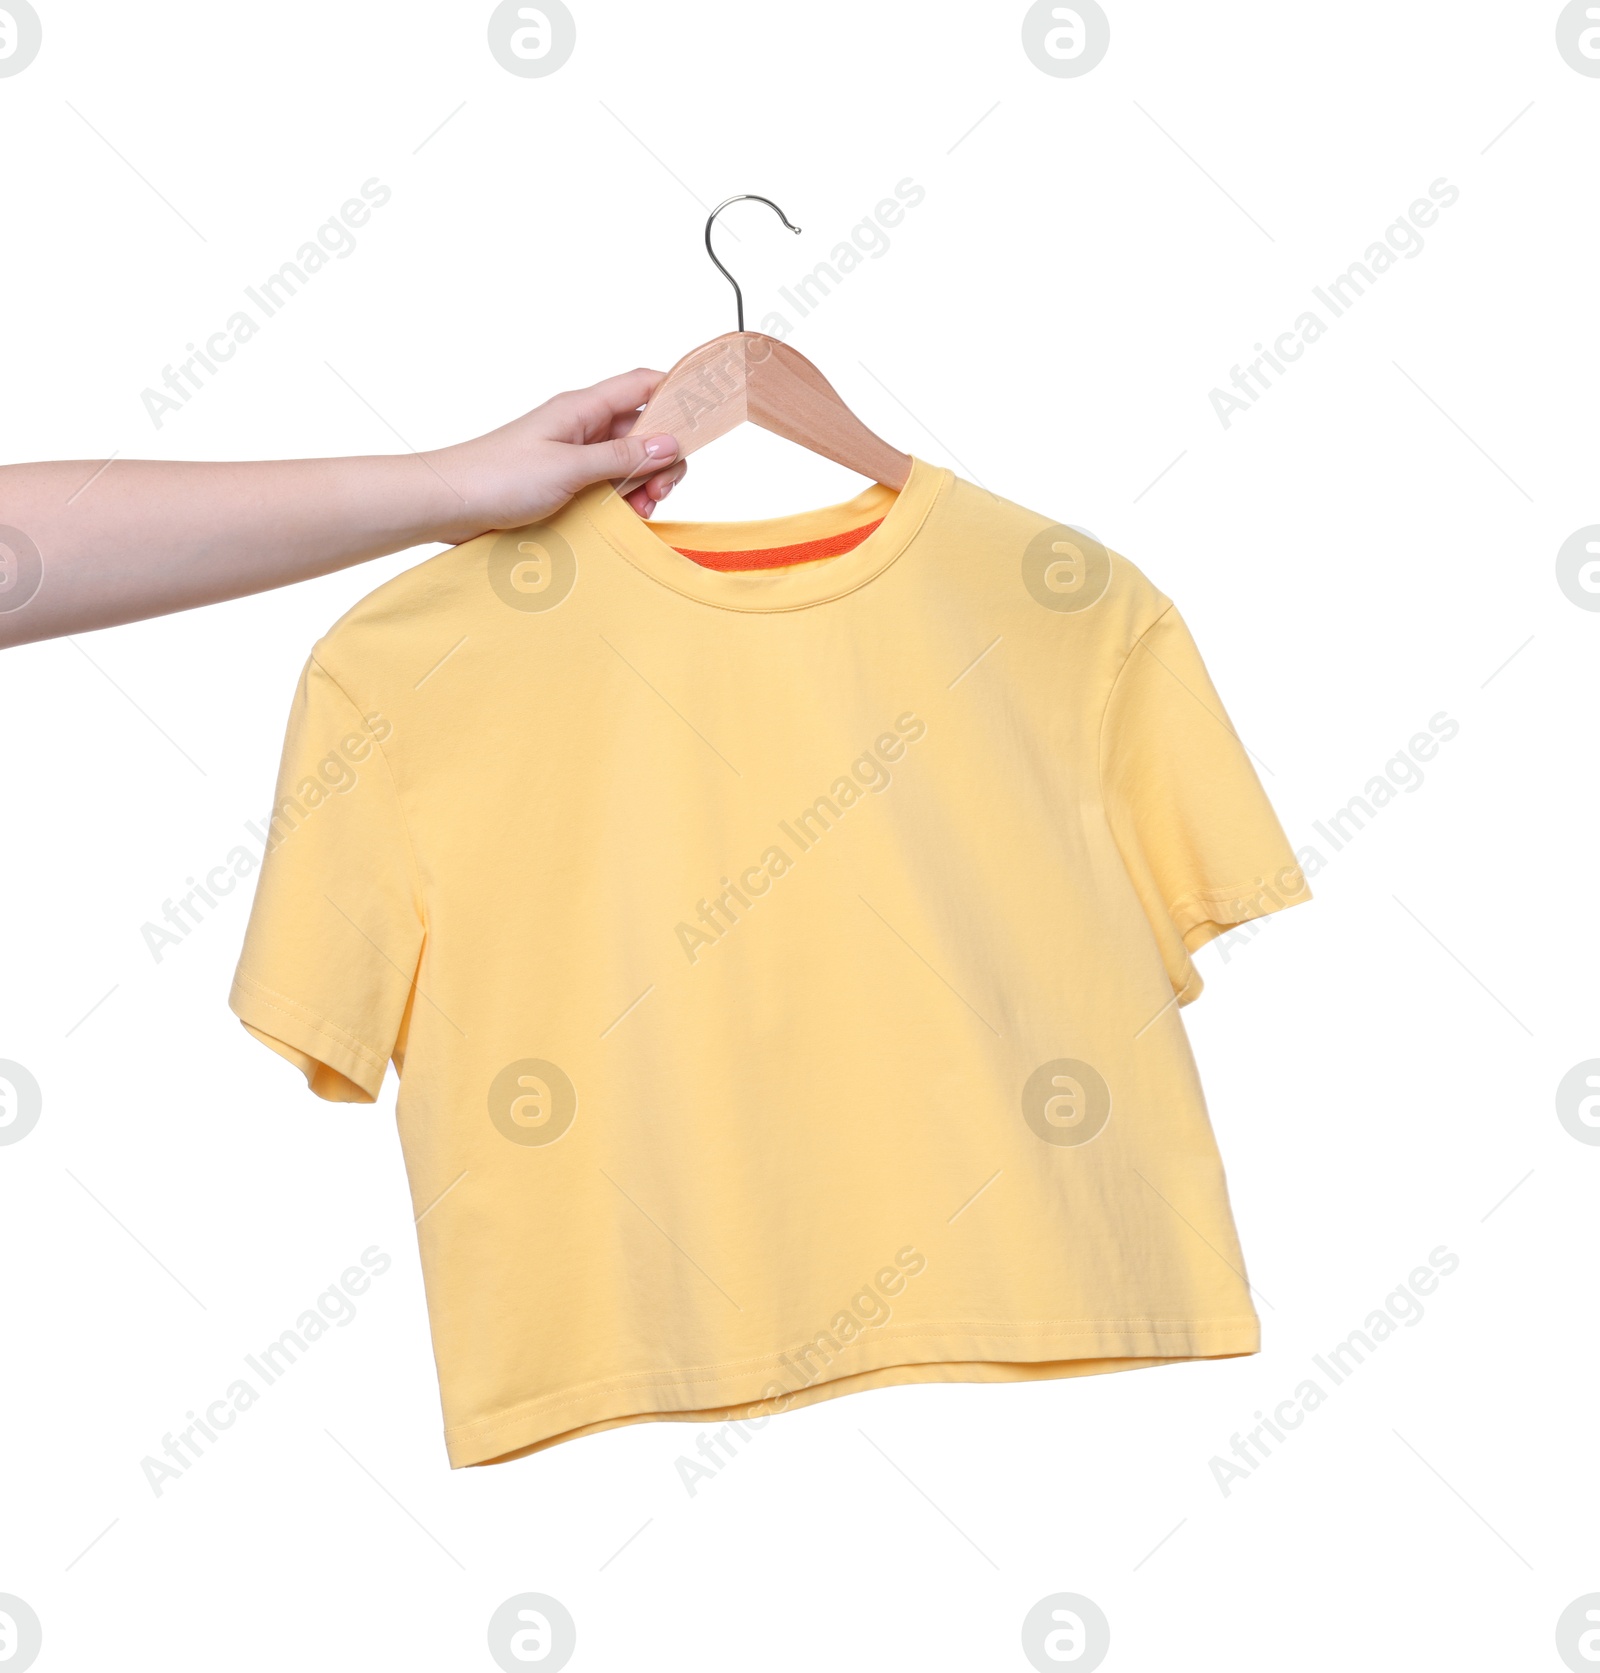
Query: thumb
622,459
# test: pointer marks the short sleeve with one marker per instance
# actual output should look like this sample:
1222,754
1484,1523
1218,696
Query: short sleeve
1197,834
336,932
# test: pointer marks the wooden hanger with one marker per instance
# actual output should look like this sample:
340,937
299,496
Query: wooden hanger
747,377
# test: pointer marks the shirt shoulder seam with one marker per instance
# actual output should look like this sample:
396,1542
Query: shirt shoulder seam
412,868
1111,690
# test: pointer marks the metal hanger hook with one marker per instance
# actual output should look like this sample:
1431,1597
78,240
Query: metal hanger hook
740,197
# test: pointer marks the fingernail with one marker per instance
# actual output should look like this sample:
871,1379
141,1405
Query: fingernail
661,447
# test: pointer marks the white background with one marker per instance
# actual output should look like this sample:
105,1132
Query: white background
1363,549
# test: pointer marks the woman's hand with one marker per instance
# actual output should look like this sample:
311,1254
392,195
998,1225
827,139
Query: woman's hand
531,467
134,538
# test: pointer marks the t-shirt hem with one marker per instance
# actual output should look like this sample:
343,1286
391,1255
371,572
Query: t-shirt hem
987,1352
1209,913
1202,915
278,1020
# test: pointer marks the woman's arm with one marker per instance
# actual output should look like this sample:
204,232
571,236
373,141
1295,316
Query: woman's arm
142,537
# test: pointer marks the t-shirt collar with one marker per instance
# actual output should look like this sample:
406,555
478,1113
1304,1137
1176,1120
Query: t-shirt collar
650,546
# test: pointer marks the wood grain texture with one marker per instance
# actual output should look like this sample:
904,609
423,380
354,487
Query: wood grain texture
746,377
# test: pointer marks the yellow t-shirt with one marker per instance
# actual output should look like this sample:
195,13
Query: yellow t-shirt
782,963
